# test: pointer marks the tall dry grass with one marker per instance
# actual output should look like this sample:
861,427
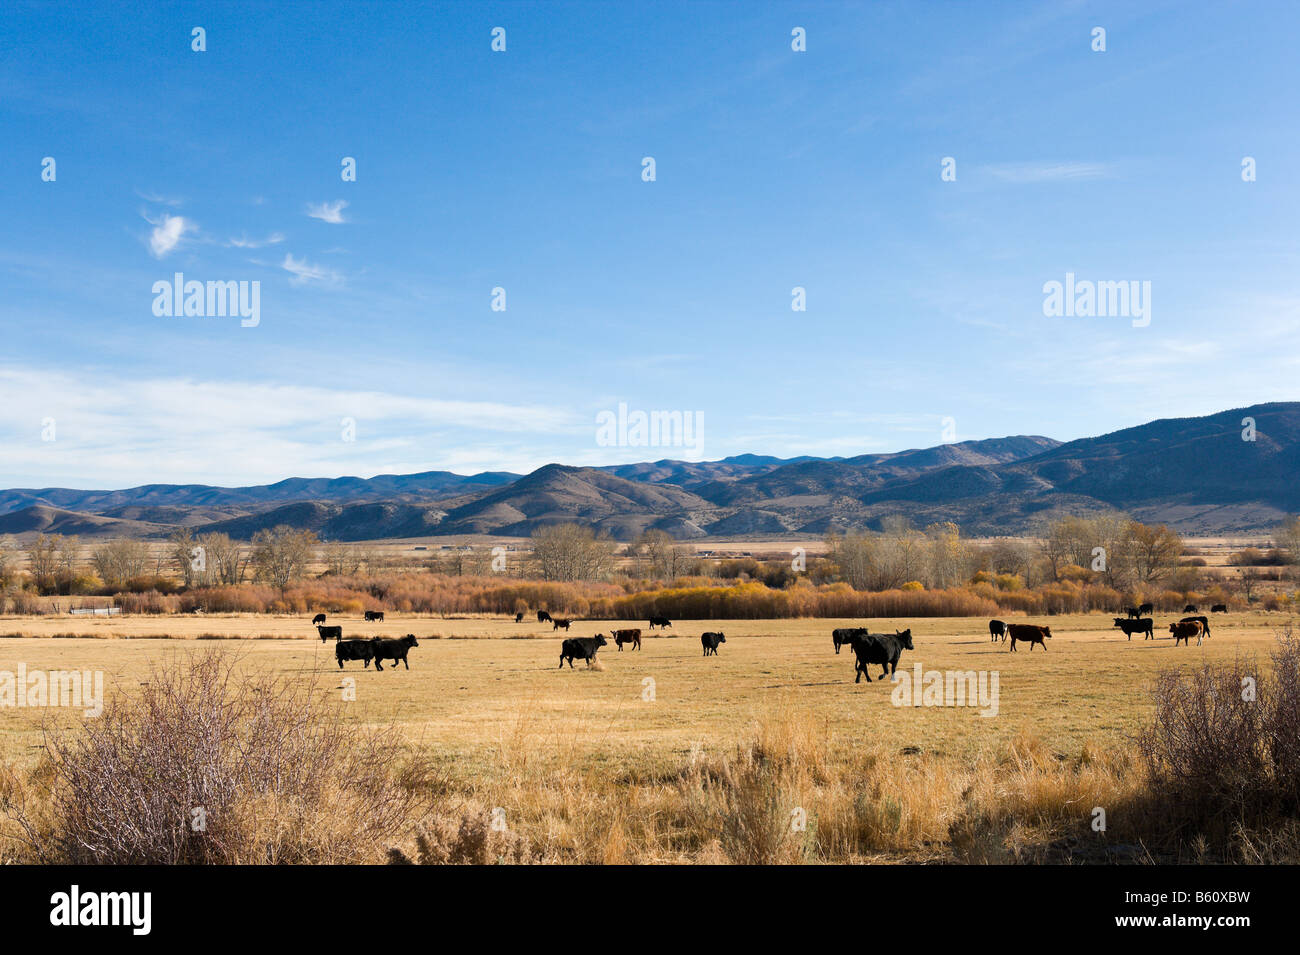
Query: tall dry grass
282,778
208,763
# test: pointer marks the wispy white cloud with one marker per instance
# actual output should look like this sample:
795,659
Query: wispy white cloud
304,272
158,199
1030,172
331,212
243,242
138,430
168,232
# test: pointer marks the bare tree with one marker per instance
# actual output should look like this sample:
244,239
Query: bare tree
119,561
69,554
220,560
181,548
342,560
951,559
43,555
1288,538
1154,551
662,555
282,554
8,562
572,552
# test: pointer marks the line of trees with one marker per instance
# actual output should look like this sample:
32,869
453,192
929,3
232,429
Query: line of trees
1111,550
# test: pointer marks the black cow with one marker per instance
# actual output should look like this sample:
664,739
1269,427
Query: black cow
1203,621
880,648
710,642
543,616
374,615
560,624
997,629
627,636
1133,612
1190,608
1186,629
1146,610
1219,608
519,617
394,649
660,622
363,650
318,619
843,636
584,647
1145,625
327,632
1028,633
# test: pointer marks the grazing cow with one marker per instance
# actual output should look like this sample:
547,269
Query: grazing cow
1190,608
627,636
997,629
583,647
376,616
843,636
883,649
1219,608
519,617
560,624
318,619
710,642
660,622
394,649
1203,621
1028,633
327,632
363,650
543,616
1145,625
1186,629
1133,612
1146,610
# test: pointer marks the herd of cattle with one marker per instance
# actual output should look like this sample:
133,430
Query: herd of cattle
879,649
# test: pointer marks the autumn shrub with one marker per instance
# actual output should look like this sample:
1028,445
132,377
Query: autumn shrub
207,763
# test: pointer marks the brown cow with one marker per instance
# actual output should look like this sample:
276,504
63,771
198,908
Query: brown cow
1185,629
627,636
1027,633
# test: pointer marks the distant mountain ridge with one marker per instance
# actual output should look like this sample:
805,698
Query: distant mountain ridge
1197,474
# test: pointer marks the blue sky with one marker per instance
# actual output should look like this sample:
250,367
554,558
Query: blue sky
523,170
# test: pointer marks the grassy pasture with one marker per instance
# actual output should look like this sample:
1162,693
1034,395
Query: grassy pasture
474,679
484,698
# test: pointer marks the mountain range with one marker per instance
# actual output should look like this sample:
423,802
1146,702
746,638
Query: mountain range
1206,475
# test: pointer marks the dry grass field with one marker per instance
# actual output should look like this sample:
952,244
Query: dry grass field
605,764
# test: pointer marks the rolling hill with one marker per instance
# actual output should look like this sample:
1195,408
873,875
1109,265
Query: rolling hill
1197,474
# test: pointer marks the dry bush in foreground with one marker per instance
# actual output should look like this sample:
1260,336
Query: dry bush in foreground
209,764
1223,755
